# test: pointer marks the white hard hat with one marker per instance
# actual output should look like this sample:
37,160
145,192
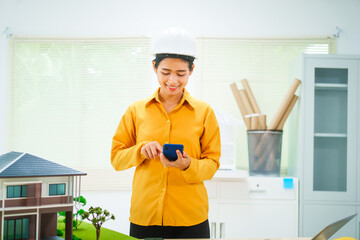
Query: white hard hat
174,41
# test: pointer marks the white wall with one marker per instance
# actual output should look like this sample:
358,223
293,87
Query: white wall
202,17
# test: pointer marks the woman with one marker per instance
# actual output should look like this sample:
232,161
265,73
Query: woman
169,199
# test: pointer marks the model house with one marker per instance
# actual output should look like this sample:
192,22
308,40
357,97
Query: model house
33,190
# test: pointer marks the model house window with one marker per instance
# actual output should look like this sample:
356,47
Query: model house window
16,191
16,229
56,189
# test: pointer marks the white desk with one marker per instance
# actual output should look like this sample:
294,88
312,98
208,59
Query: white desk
252,207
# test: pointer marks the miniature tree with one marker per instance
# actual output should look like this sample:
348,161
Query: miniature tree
82,201
97,217
76,222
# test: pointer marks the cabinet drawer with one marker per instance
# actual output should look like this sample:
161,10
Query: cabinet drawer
259,219
258,188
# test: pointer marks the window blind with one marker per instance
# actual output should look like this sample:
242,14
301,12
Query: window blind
265,63
67,96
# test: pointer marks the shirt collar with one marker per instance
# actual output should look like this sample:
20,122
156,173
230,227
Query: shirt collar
186,98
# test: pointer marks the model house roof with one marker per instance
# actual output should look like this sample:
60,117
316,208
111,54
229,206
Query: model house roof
19,164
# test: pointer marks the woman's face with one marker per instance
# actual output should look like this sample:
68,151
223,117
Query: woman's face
173,75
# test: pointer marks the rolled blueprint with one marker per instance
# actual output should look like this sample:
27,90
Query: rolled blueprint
262,121
240,103
287,112
250,95
246,101
284,104
255,121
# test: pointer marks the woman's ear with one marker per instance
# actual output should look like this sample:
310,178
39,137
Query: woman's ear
154,67
193,66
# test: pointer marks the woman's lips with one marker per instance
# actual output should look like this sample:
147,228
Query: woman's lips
172,88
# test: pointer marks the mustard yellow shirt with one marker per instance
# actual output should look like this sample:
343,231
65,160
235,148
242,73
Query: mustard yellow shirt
161,195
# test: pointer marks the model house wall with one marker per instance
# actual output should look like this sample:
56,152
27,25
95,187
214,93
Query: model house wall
45,182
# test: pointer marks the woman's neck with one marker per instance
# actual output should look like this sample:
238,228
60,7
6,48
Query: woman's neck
166,98
170,101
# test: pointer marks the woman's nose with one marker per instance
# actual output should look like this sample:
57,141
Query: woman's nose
172,78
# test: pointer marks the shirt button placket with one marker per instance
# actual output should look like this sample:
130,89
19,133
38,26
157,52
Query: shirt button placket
167,140
168,128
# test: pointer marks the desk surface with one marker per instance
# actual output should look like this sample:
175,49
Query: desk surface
254,239
271,239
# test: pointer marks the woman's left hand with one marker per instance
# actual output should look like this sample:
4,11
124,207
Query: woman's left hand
183,161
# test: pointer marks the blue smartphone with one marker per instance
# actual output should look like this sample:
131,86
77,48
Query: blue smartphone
169,151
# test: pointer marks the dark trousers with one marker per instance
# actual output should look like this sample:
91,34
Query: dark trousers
201,230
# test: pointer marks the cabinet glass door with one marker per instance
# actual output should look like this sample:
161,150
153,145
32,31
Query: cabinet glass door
331,134
330,129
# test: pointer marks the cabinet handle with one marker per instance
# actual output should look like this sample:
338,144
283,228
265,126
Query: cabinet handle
256,191
222,230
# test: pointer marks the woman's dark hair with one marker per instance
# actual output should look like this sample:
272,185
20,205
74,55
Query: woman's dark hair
161,56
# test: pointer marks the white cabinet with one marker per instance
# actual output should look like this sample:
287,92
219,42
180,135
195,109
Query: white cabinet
253,207
330,100
326,160
258,219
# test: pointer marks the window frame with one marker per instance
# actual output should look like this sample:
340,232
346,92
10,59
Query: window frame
23,191
57,189
25,223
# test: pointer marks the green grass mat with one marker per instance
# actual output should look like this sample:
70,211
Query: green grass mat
87,231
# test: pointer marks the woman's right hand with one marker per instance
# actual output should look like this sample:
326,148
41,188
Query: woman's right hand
151,150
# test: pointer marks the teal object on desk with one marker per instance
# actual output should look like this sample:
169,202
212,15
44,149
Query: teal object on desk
288,183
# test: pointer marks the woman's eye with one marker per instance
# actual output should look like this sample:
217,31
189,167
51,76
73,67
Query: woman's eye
165,73
181,75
